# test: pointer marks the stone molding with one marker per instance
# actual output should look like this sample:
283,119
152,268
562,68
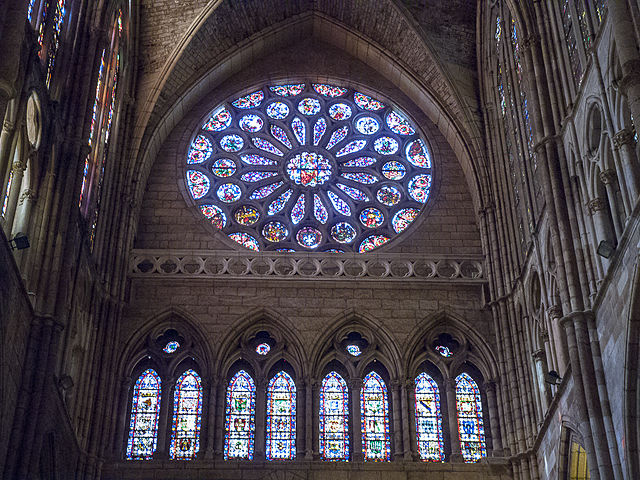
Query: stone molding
306,266
624,137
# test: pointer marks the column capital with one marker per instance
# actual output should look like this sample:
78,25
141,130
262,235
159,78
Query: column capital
28,194
8,126
624,137
608,176
596,205
538,354
632,77
555,311
543,142
19,166
531,41
356,383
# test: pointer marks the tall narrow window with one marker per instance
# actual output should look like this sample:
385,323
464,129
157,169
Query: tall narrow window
145,407
578,466
374,405
5,202
334,418
30,9
428,420
281,418
187,415
54,44
570,40
240,419
470,423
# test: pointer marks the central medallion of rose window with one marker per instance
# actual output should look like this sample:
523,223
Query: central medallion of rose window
310,167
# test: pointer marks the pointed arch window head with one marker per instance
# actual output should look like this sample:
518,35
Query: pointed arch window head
428,420
334,418
145,407
281,418
374,405
187,415
240,417
470,421
578,465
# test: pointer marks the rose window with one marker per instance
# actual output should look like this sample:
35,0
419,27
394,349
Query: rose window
309,167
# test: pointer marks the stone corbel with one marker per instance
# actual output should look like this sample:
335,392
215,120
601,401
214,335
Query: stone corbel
624,137
596,205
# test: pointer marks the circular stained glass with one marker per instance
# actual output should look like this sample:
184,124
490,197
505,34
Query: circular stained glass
444,351
171,347
308,166
263,349
354,350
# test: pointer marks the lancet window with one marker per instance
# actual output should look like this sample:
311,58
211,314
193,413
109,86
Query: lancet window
430,439
374,407
187,416
470,421
145,408
281,418
240,417
334,418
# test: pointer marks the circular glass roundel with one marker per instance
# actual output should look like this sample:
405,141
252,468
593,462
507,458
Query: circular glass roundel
308,167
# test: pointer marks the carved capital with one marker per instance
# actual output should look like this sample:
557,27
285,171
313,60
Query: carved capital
531,41
19,166
632,76
28,194
539,355
597,205
356,384
543,143
555,311
624,137
8,126
608,177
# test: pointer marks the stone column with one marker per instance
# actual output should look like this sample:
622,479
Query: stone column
608,178
598,209
6,136
315,410
220,420
123,417
308,419
540,362
492,406
206,425
452,414
559,337
355,386
396,409
210,419
17,174
408,421
164,423
261,405
624,142
301,416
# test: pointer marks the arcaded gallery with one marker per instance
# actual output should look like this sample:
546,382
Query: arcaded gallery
319,239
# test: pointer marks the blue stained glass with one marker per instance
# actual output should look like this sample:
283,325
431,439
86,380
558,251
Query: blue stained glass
229,192
394,170
444,351
340,111
386,146
198,184
318,130
264,192
361,178
309,237
419,188
254,159
278,110
281,418
279,135
403,218
232,143
223,167
354,350
334,250
240,417
245,240
267,146
187,415
319,210
201,150
374,407
372,242
366,102
309,169
309,106
251,123
219,120
30,9
334,418
343,232
398,124
360,162
418,155
353,192
470,422
215,214
299,130
145,408
275,232
337,137
371,217
340,205
252,100
297,213
329,90
288,90
367,125
388,195
171,347
257,176
428,420
352,147
279,203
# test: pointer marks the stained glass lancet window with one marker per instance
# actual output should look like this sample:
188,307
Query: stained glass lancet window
470,422
281,418
145,407
428,419
334,418
321,168
374,405
187,415
240,417
578,464
54,44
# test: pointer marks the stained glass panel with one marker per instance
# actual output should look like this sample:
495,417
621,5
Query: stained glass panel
264,192
278,110
275,232
398,124
343,232
240,417
219,120
340,111
145,407
318,130
372,242
223,167
289,90
309,106
297,212
319,210
299,130
251,123
403,218
246,215
215,214
267,146
470,421
309,237
428,420
340,205
367,125
367,103
201,150
249,101
171,347
279,203
187,415
374,406
198,184
279,135
281,418
354,193
386,146
329,90
245,240
334,418
337,137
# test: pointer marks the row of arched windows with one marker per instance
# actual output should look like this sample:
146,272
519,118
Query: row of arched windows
334,415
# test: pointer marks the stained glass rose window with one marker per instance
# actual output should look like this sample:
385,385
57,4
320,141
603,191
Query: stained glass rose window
309,167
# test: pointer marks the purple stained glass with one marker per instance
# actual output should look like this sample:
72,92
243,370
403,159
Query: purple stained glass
418,155
215,214
343,232
337,137
360,162
309,237
386,146
200,151
279,203
309,106
353,192
365,178
279,135
263,349
278,110
252,100
329,90
275,232
374,408
281,418
257,176
394,170
319,210
366,102
267,146
299,130
245,240
419,188
219,120
223,167
288,90
318,130
388,195
340,111
232,143
198,184
403,218
251,123
372,242
264,192
254,159
187,415
297,212
398,124
240,417
334,418
145,409
229,192
470,421
340,205
352,147
309,169
371,217
428,420
246,215
367,125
